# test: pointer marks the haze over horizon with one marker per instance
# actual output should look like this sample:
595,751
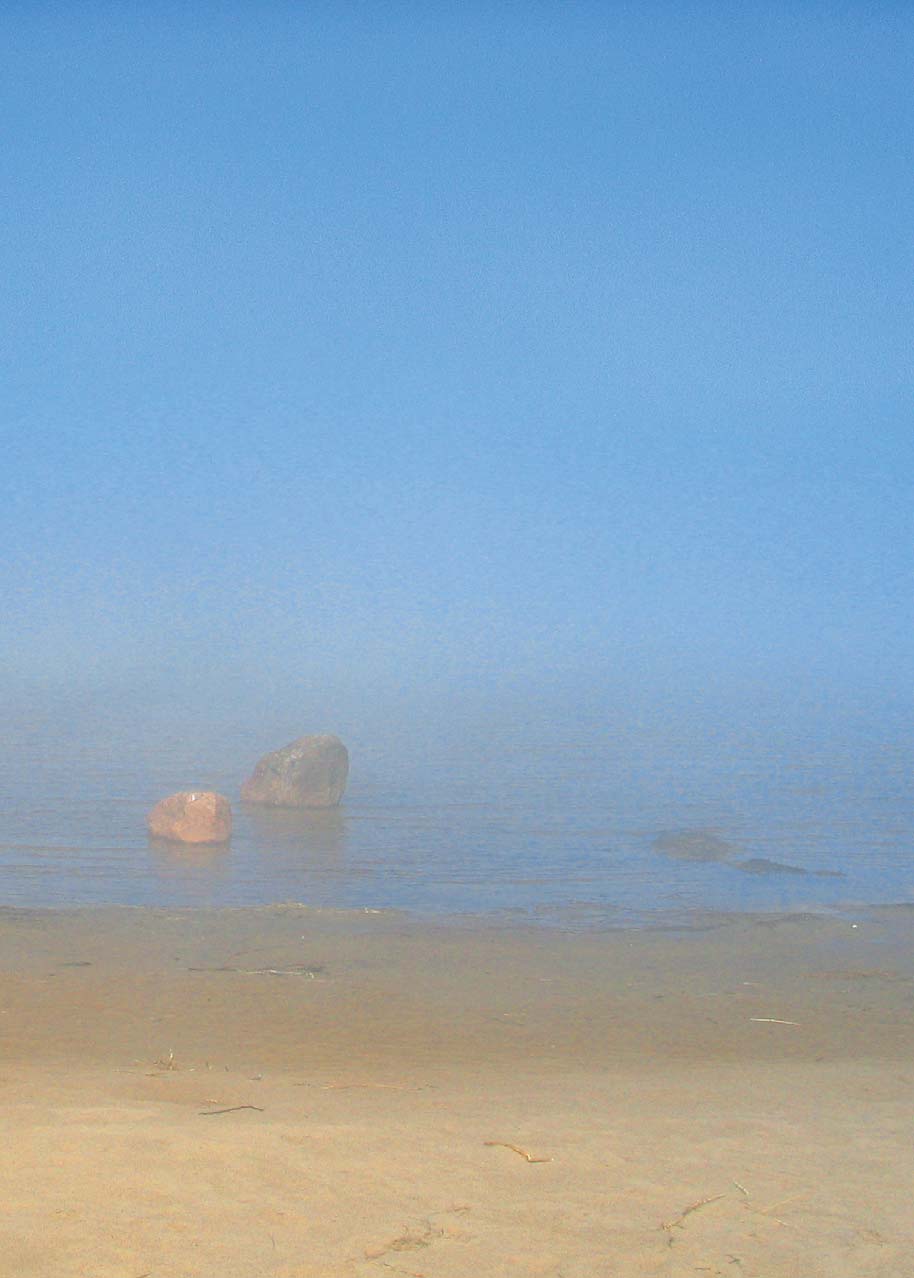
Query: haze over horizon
547,350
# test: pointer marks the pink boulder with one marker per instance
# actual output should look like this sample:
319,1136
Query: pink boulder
193,816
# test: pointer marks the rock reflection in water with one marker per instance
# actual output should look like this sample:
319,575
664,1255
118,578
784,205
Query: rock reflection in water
315,835
194,868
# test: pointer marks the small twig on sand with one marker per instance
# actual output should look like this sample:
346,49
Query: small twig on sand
206,1113
503,1144
702,1202
742,1188
304,969
348,1087
783,1202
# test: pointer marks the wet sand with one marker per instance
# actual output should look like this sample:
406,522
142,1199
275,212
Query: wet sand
453,1100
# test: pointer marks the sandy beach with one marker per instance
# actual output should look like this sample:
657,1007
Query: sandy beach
298,1093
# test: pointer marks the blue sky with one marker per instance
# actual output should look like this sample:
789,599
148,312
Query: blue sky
414,347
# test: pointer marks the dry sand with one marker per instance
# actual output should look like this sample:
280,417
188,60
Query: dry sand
385,1081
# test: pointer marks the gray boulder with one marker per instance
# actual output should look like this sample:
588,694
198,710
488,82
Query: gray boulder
309,773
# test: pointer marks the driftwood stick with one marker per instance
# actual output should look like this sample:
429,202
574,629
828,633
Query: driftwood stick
205,1113
503,1144
702,1202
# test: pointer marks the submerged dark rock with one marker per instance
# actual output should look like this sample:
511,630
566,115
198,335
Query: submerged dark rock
694,845
761,865
309,773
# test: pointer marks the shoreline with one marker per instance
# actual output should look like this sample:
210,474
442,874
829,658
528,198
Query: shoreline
307,1093
252,975
576,918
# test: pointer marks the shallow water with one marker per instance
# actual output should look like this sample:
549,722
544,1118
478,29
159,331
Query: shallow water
542,820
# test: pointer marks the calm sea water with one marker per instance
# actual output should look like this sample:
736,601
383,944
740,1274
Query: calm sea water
538,819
